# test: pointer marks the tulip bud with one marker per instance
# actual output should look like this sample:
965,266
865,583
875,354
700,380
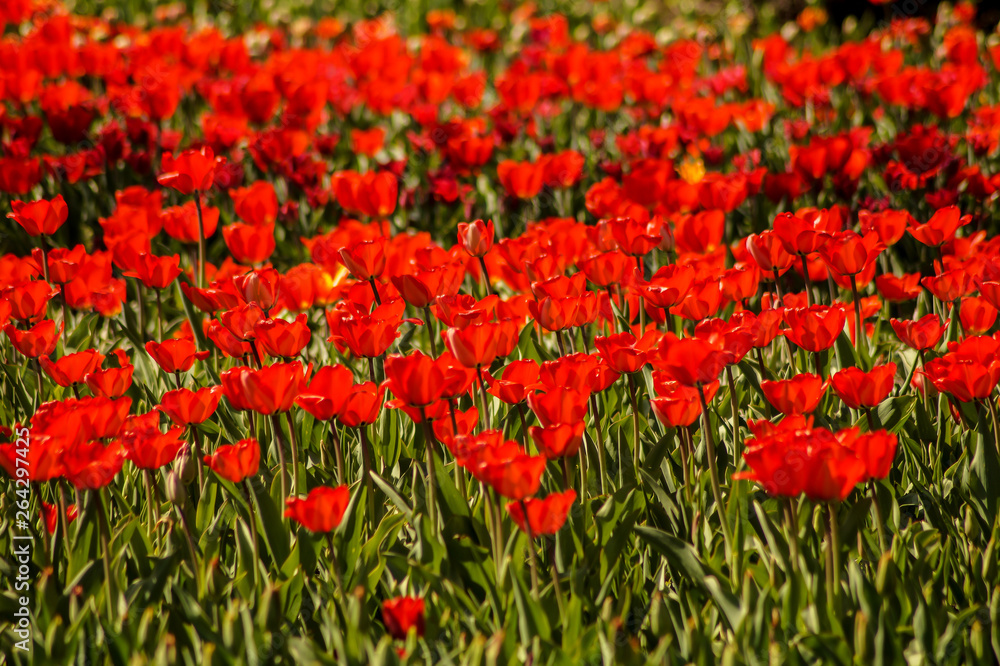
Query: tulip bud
977,639
259,286
861,637
185,469
667,242
176,492
476,238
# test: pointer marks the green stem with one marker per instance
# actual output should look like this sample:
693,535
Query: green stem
859,328
833,531
633,397
531,551
295,452
201,241
805,276
338,453
734,403
793,532
599,444
486,276
431,478
159,316
430,331
102,522
151,505
714,471
278,444
883,540
366,472
253,528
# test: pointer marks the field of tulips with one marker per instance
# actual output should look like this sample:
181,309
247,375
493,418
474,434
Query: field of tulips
564,333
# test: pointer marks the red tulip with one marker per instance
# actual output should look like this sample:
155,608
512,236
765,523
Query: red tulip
517,379
39,340
249,244
584,373
967,380
242,321
111,382
259,287
256,204
948,286
876,450
415,379
322,510
270,390
362,405
326,393
544,516
186,407
977,315
558,441
92,465
402,614
72,368
476,238
365,335
282,338
815,328
692,361
848,253
28,300
558,405
50,515
148,448
940,228
175,355
365,260
864,389
623,352
190,170
677,405
799,395
473,346
42,217
922,334
236,462
516,478
155,272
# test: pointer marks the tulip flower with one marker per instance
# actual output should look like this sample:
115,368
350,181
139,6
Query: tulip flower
192,172
174,355
282,338
401,614
40,218
187,407
864,390
39,340
815,328
236,462
322,510
72,368
92,465
543,516
28,300
799,395
922,334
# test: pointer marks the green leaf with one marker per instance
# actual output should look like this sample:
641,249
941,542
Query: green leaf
683,558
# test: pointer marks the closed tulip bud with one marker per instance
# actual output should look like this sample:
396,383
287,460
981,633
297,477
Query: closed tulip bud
476,238
977,639
185,468
861,636
176,490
